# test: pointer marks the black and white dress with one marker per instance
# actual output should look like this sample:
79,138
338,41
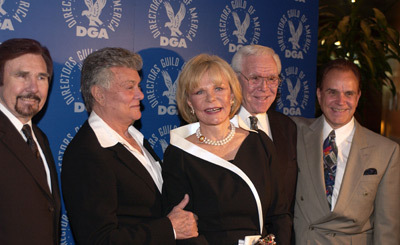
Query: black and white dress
232,199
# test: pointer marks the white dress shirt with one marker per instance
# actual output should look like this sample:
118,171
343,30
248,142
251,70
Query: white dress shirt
107,137
18,125
344,137
263,121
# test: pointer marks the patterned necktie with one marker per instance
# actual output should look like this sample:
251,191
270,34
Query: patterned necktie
253,122
330,162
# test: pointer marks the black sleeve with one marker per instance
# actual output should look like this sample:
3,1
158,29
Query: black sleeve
278,218
176,185
91,194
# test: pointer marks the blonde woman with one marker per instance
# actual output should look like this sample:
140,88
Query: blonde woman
228,172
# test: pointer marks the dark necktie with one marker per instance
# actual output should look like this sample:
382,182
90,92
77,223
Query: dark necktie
330,162
26,129
253,122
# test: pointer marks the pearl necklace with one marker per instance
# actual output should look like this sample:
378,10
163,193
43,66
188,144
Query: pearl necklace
228,138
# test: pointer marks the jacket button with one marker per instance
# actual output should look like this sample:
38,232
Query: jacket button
311,228
365,194
51,209
301,198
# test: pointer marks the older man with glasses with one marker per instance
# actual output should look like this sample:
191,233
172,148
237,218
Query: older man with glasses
258,69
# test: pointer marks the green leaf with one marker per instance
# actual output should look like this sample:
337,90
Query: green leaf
344,24
364,37
365,28
380,16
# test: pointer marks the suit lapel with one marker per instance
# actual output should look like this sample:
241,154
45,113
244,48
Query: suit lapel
50,162
280,141
13,140
312,135
150,150
279,138
131,162
356,162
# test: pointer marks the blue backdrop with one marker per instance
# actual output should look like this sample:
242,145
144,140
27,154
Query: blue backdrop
166,34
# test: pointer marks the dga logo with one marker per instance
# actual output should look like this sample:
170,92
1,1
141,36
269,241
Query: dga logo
238,25
174,22
160,85
295,92
92,18
69,80
12,12
66,234
63,146
160,140
294,34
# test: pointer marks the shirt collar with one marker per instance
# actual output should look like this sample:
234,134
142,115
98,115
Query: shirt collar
14,120
262,118
245,114
341,133
106,136
189,129
185,131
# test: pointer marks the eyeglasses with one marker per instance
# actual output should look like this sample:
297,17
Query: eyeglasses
272,81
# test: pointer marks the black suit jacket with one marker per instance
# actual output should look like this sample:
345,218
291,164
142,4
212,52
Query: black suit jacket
29,213
284,134
109,195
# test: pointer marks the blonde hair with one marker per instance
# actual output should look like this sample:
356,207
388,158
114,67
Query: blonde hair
193,71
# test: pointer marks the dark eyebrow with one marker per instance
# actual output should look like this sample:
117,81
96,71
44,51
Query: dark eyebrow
45,74
21,73
331,89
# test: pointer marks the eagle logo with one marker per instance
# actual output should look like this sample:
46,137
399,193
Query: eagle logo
174,20
2,11
94,11
295,34
170,93
241,28
293,92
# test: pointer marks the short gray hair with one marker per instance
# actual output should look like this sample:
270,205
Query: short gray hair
253,50
96,69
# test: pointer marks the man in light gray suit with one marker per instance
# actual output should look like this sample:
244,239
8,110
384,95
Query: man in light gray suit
348,192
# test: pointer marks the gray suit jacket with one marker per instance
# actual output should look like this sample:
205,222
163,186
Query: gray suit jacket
367,209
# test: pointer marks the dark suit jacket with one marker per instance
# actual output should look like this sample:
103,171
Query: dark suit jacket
367,208
29,213
284,134
109,195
